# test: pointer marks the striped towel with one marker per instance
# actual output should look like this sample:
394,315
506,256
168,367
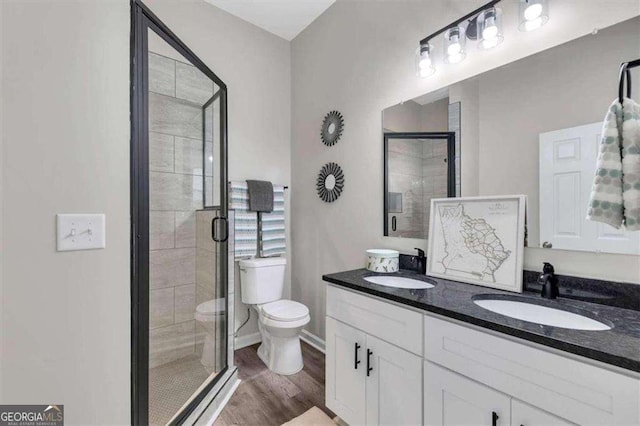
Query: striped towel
246,222
273,229
615,195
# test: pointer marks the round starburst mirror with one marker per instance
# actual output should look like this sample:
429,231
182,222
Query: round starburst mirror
330,182
332,127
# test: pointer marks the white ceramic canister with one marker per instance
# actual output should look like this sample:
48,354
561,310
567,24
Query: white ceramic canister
383,260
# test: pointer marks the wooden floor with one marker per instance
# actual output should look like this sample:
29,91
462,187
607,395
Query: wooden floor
265,398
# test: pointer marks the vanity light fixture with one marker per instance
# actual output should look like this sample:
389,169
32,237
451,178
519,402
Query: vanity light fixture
424,61
483,24
533,14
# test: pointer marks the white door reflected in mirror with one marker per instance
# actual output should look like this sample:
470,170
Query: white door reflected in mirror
330,182
331,128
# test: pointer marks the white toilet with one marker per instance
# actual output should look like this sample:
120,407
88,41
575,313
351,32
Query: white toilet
207,314
279,320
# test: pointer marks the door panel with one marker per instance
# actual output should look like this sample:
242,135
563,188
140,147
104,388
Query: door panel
525,415
393,386
567,167
454,400
345,380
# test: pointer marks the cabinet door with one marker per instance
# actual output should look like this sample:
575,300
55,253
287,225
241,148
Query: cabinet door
345,371
525,415
454,400
394,384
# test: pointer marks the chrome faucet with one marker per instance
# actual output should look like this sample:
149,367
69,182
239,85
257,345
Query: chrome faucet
549,282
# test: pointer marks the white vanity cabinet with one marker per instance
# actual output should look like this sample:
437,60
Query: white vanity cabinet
525,415
425,369
452,400
369,380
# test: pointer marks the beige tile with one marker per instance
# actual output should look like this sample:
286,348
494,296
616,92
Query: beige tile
192,84
160,307
410,147
440,148
204,293
169,191
173,116
185,302
172,267
162,75
405,164
170,343
203,229
186,229
160,152
205,267
188,158
161,230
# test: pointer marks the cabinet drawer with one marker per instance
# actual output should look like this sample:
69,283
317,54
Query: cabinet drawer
568,388
389,322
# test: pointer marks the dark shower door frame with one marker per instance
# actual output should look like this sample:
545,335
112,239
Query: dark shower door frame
143,20
450,137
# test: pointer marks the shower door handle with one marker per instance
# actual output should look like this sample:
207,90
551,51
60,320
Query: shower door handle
214,229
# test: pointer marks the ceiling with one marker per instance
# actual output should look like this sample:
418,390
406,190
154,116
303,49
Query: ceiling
284,18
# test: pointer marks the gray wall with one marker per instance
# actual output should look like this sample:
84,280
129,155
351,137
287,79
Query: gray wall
65,115
356,58
65,316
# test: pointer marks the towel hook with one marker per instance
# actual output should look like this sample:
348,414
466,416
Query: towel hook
624,72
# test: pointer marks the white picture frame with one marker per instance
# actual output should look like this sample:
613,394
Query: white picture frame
478,240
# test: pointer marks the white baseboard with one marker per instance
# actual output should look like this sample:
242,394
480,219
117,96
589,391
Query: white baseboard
247,340
305,336
313,340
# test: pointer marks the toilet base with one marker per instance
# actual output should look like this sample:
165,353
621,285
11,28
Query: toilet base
282,355
208,358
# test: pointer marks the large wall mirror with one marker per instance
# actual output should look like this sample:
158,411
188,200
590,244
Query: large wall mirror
530,127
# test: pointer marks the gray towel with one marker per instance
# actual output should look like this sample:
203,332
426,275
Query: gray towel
260,196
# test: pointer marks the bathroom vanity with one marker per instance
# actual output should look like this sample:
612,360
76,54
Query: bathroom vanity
434,357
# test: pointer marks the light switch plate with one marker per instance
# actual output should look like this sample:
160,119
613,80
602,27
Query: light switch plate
80,231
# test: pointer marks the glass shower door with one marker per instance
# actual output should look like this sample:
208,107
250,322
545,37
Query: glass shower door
183,157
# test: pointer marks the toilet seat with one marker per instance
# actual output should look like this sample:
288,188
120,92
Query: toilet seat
284,310
209,310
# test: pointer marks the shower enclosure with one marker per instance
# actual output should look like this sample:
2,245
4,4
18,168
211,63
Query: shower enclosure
180,228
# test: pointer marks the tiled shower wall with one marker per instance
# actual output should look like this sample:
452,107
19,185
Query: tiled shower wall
418,170
177,92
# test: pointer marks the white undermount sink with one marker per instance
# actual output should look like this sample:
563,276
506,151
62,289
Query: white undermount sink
541,314
398,282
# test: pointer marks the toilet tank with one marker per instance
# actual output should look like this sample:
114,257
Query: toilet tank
262,280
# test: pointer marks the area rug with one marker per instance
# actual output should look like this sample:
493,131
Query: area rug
312,417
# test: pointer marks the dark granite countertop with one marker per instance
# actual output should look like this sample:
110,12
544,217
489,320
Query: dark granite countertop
619,346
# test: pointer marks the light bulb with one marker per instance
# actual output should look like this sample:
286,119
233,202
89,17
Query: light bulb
490,32
454,49
425,62
533,14
533,24
533,11
425,72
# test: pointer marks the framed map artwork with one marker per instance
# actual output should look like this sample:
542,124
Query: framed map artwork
478,240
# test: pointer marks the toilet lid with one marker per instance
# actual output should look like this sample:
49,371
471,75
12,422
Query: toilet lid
285,310
212,307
